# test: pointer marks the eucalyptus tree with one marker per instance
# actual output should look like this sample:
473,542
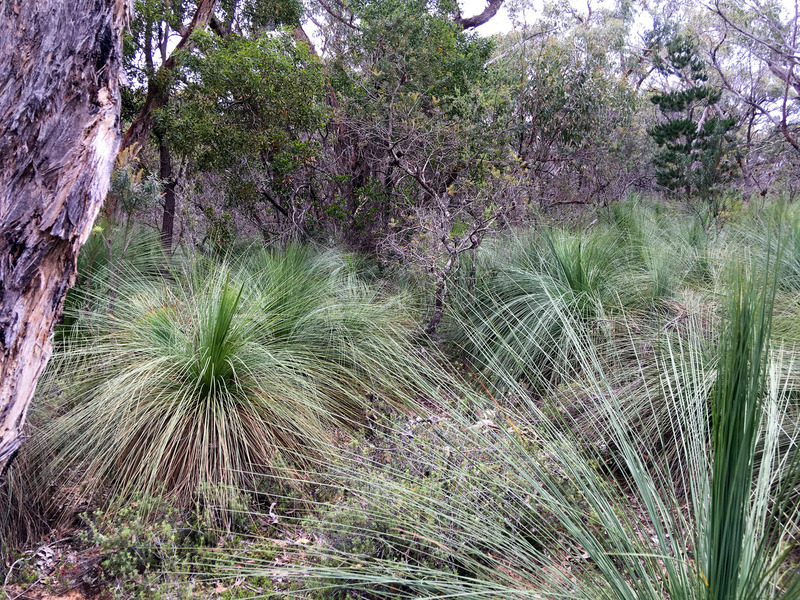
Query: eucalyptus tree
768,33
59,114
162,34
753,47
164,27
247,111
568,105
159,31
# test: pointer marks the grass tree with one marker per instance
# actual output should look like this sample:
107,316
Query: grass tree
541,503
202,379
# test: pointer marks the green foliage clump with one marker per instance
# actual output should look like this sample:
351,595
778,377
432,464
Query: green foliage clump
131,543
204,377
247,98
244,112
132,190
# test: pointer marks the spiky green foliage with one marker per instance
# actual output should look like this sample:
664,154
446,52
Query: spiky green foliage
513,315
760,232
665,250
532,507
737,564
106,254
641,261
203,378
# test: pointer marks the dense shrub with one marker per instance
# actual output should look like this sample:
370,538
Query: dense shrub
204,376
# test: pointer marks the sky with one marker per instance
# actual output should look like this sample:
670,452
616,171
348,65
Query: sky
501,23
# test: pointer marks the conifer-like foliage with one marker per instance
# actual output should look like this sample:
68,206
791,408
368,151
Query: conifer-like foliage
694,140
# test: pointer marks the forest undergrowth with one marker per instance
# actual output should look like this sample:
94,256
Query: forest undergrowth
610,411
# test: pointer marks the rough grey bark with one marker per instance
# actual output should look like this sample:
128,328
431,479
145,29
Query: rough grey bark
59,123
165,173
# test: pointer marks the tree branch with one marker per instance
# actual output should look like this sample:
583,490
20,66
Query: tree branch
158,91
492,6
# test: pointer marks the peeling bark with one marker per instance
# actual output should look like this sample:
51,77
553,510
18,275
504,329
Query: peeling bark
59,122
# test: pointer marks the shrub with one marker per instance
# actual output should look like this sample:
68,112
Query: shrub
719,526
205,376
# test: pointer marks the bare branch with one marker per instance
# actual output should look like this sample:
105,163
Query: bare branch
492,6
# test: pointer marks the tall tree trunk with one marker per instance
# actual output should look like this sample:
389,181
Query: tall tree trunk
59,118
165,173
